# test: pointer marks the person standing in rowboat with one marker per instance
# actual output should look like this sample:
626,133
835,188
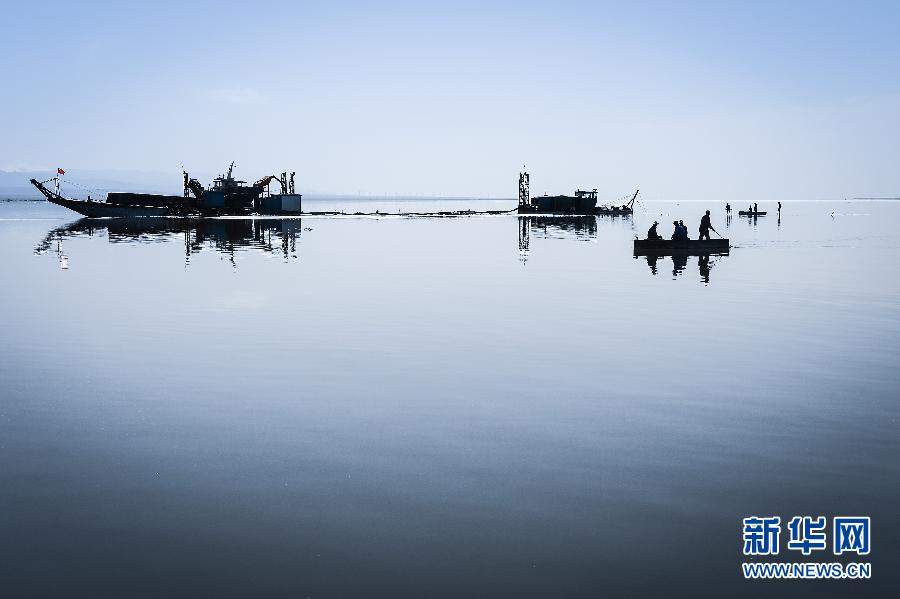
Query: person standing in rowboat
755,209
705,226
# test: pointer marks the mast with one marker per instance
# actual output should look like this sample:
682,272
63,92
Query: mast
524,190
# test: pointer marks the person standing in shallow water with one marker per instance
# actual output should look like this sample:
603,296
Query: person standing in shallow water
705,226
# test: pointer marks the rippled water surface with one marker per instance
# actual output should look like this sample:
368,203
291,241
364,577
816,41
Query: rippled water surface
482,406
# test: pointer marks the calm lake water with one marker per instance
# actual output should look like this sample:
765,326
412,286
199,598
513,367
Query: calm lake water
484,406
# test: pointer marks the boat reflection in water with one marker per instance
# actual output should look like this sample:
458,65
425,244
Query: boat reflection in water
224,235
579,228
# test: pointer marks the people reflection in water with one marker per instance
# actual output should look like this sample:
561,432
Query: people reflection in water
703,264
679,265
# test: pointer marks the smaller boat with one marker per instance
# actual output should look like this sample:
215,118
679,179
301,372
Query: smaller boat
753,214
667,247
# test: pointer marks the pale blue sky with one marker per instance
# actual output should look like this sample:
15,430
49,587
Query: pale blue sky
705,100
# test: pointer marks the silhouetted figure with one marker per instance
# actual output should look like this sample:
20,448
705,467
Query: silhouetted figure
651,232
779,208
755,209
684,229
705,226
727,207
703,264
680,233
679,263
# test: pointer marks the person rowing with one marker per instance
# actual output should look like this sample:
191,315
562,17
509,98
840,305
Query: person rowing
705,226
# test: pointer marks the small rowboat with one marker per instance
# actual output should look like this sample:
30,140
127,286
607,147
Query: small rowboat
748,213
665,247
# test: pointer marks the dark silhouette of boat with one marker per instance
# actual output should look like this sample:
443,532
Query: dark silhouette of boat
94,209
582,203
750,213
226,196
668,247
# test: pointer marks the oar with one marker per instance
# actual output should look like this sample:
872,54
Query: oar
717,233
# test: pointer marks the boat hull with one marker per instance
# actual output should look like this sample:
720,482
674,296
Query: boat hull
104,210
597,210
666,247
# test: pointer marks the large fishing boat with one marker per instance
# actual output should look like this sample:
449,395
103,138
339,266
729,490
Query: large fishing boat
225,196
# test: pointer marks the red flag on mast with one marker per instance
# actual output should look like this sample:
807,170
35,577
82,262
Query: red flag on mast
59,171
